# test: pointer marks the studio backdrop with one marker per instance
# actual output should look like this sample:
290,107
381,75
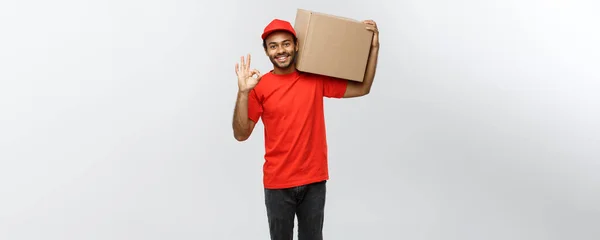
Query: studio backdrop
482,122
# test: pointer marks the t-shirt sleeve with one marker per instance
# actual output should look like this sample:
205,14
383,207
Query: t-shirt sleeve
334,87
254,106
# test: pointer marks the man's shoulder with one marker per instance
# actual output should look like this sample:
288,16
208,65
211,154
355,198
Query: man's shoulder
271,80
318,77
267,78
310,75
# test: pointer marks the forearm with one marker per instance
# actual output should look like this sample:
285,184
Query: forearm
241,122
371,69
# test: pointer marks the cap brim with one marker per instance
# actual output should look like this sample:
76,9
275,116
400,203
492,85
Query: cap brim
267,33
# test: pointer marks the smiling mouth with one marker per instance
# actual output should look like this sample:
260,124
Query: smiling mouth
282,58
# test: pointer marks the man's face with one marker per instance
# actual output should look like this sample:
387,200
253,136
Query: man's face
281,49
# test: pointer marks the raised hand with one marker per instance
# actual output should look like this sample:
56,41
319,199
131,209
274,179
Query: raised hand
247,78
372,26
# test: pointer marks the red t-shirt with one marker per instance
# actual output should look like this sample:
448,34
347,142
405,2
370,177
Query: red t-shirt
291,108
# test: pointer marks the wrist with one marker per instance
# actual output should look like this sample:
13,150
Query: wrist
243,92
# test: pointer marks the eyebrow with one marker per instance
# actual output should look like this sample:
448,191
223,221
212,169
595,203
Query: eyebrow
287,40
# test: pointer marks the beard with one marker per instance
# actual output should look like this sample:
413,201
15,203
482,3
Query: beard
291,59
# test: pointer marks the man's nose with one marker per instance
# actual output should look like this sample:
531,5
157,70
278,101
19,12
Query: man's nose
280,50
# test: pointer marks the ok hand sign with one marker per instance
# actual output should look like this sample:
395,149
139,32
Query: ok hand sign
247,78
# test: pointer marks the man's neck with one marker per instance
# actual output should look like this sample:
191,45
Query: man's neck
282,71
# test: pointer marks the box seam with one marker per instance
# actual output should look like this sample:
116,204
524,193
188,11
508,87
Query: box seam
307,30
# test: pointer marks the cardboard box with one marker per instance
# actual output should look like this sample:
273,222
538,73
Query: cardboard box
332,45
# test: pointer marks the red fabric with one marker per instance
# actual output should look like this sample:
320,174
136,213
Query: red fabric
291,108
277,25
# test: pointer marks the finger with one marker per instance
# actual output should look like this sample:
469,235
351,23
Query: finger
254,71
248,60
237,68
242,62
257,73
373,29
371,22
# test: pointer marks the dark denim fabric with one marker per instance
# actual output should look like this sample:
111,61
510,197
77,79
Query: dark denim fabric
306,202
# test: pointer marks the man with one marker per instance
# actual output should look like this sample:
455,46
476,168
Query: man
290,104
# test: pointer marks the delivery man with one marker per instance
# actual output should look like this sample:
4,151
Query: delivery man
290,104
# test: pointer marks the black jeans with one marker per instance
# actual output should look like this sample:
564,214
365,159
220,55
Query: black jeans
307,202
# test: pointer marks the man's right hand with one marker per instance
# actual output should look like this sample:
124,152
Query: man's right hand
247,78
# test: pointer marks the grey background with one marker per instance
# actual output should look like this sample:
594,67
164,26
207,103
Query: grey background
482,123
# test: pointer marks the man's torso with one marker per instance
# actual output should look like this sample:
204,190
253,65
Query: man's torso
291,109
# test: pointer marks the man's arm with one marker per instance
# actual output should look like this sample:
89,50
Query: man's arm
357,89
242,125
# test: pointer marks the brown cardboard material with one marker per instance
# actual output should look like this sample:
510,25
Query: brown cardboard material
332,45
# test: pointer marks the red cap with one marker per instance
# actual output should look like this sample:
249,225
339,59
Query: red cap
278,25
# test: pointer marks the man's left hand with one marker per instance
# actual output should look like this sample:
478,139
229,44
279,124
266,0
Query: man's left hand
372,26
